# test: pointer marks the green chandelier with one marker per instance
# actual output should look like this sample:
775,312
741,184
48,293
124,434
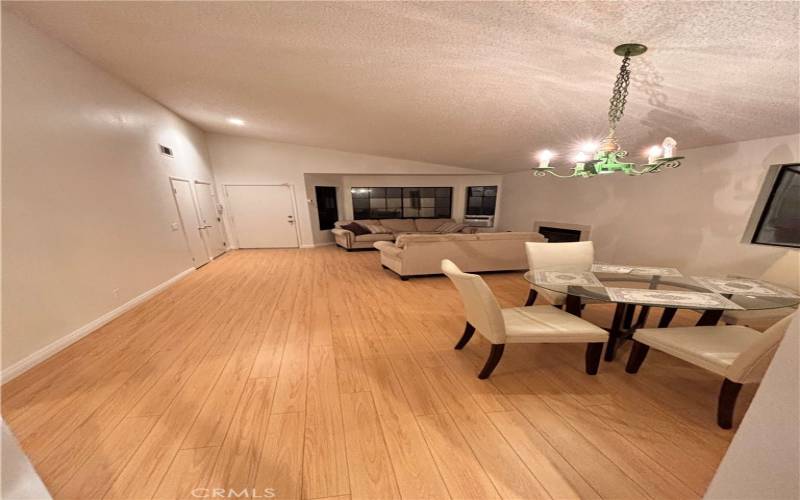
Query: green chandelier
606,157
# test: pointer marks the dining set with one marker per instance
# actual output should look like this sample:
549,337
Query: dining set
567,277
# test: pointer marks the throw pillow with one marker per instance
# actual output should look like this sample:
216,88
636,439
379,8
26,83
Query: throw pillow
376,229
450,227
356,228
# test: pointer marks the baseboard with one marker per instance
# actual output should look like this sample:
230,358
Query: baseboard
42,354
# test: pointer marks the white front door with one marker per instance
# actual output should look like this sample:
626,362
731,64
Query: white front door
262,216
187,213
210,221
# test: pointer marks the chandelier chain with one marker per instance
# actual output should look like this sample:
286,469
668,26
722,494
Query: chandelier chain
620,93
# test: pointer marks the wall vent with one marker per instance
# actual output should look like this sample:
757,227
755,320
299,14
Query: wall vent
165,150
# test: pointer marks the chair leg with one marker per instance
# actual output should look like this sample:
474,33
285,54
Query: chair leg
594,351
727,402
491,363
638,353
468,331
531,297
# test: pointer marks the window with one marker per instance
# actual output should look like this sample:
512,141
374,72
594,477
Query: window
779,221
481,200
401,202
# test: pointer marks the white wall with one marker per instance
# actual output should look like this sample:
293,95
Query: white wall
763,459
322,237
244,160
692,217
87,205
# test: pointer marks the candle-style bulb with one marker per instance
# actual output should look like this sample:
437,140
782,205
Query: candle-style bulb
653,154
669,146
544,156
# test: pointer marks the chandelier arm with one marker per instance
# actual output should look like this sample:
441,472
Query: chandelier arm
551,172
542,173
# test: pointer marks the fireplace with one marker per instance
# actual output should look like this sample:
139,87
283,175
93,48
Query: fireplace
560,232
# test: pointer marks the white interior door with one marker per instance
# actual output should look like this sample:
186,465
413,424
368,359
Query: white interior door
210,221
187,213
262,216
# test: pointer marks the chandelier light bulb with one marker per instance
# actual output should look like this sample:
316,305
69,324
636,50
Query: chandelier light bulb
580,157
544,156
653,154
589,147
669,146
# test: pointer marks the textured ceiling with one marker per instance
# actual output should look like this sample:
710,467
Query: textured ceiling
479,85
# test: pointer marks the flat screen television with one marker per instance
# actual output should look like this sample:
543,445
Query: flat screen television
776,215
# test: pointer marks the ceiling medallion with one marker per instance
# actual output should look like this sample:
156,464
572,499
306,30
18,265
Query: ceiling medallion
607,155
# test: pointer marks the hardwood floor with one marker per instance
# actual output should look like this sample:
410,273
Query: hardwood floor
317,374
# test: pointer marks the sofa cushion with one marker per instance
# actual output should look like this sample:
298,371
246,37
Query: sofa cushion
356,228
531,236
450,227
375,237
377,228
404,239
430,225
399,225
341,223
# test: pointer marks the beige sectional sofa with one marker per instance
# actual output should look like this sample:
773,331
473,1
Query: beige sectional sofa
422,254
349,241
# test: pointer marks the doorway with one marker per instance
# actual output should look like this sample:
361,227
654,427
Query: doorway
327,209
210,221
262,216
187,213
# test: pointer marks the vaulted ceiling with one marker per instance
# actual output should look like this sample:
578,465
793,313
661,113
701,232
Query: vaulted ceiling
479,85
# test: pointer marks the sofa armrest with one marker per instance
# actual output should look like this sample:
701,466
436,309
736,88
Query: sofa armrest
348,236
388,248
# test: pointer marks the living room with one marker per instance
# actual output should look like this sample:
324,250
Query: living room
329,250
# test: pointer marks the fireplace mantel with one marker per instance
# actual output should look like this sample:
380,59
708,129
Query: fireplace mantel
585,231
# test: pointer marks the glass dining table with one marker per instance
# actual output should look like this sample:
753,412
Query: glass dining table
709,296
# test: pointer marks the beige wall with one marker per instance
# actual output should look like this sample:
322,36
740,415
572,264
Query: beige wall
87,205
692,217
764,457
244,160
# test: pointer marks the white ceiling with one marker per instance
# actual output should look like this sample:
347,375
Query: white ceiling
479,85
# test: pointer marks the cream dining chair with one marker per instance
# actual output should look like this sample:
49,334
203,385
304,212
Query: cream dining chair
739,354
519,325
785,272
572,257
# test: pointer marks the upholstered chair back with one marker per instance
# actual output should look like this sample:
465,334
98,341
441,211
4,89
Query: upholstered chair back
750,366
574,257
480,305
785,271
